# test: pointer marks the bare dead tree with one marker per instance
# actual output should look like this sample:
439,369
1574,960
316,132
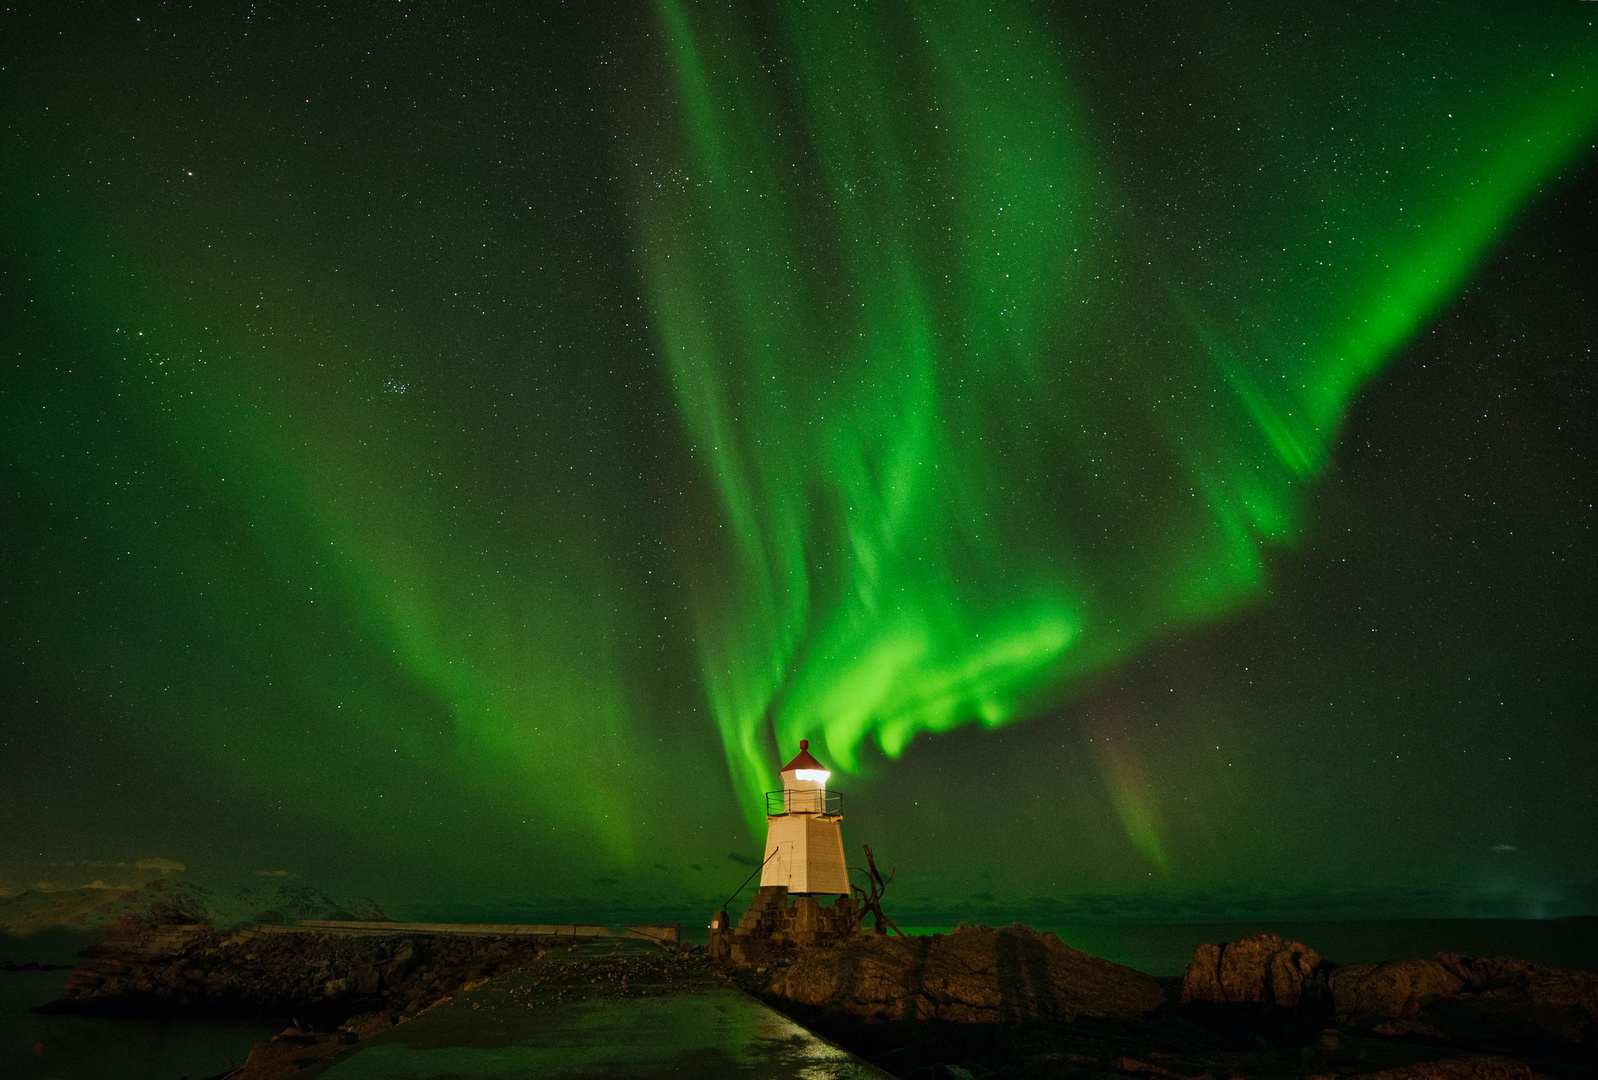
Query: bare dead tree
870,898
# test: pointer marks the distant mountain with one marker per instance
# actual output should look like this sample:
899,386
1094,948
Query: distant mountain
162,902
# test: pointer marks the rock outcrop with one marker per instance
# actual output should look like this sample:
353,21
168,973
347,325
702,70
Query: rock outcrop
975,975
1460,999
1011,1002
1464,998
1394,989
1263,969
196,969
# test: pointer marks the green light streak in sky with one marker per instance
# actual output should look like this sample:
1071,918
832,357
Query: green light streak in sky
507,685
349,491
991,395
382,610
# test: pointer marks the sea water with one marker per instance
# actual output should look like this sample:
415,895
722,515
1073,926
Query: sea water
38,1047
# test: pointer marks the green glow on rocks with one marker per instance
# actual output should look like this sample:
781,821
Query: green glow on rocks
991,397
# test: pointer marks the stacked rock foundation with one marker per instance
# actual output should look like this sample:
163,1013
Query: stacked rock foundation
777,923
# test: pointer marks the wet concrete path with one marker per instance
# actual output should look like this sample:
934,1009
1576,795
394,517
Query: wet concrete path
604,1008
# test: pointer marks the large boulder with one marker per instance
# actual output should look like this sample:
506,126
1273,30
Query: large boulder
1511,1000
1470,1000
1262,969
975,975
1558,988
1396,988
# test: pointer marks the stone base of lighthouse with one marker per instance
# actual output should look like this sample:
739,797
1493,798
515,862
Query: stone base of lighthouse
776,923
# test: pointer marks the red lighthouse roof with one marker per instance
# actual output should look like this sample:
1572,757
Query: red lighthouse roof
803,760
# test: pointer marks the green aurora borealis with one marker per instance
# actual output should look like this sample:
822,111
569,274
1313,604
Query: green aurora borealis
451,454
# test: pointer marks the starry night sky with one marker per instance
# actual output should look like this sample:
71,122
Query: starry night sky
453,452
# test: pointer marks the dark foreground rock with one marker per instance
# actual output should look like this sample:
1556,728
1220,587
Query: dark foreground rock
332,988
1448,997
1005,1004
1014,1004
976,975
195,970
1454,998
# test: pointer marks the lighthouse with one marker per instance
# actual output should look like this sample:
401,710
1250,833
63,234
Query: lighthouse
804,862
804,830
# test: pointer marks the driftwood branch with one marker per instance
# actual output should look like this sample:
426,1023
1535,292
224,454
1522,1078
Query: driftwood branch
871,898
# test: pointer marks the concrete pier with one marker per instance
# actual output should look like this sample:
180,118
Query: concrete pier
583,1013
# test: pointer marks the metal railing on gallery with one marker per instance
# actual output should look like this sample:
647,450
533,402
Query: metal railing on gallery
804,801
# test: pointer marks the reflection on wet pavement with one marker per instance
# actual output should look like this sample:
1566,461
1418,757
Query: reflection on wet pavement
604,1008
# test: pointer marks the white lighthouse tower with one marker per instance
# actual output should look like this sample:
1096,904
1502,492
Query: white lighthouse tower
804,861
804,831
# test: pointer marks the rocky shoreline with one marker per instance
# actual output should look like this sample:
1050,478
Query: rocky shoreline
196,970
1004,1004
330,988
1015,1003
